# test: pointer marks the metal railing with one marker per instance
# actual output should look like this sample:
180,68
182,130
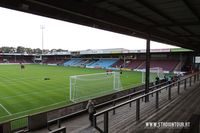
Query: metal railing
19,124
177,84
58,121
59,130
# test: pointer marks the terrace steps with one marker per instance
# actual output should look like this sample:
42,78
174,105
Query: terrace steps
140,65
124,119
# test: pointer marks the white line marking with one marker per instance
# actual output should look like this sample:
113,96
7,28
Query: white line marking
32,92
36,109
5,109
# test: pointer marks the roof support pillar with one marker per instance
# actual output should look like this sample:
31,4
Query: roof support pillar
148,56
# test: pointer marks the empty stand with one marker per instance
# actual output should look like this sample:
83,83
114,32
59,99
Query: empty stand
104,63
16,59
118,64
133,64
72,62
167,65
53,61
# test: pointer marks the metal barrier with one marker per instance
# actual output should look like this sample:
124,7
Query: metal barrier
58,121
105,112
19,124
59,130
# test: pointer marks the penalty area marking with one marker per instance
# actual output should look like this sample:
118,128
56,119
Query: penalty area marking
5,109
32,109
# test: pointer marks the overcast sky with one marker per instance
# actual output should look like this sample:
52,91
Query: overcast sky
23,29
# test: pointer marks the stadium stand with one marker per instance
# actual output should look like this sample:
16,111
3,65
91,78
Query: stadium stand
103,63
91,62
166,65
95,63
133,64
28,60
72,62
16,59
163,22
179,66
53,61
1,59
118,63
82,62
169,65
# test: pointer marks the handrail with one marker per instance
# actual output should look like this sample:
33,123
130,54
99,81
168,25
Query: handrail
131,94
104,103
144,95
137,99
134,99
116,100
66,116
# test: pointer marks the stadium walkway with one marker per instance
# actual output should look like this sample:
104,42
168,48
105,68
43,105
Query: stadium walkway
179,108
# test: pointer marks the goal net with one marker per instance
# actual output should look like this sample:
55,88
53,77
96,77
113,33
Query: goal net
154,72
88,86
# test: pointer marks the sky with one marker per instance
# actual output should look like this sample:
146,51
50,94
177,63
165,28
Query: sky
24,29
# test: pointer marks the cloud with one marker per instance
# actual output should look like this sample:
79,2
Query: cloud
23,29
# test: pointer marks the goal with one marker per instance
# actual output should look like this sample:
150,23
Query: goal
87,86
154,72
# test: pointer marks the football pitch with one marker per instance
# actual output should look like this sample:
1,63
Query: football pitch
24,92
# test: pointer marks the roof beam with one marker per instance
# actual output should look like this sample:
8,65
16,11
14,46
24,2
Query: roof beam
83,10
194,12
93,1
131,12
152,8
175,25
140,16
187,36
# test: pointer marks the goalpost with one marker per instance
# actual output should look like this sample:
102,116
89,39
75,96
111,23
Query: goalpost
154,72
88,86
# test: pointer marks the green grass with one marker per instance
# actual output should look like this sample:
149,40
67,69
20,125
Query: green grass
24,92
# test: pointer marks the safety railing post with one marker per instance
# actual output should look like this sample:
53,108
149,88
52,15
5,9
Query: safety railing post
169,93
114,103
106,122
178,87
137,109
190,81
94,121
185,83
48,126
157,99
59,123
